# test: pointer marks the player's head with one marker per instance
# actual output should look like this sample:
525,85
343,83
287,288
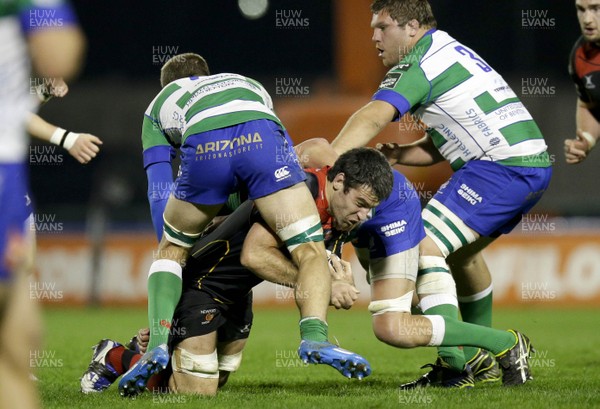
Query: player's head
588,14
357,182
183,66
398,25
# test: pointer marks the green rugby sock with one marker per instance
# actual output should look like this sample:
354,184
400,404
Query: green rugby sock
452,355
476,309
164,291
313,329
463,333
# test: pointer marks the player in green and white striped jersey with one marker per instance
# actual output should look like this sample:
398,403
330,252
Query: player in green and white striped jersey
229,136
474,121
44,36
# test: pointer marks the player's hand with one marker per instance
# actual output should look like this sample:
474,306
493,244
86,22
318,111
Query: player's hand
576,150
391,151
143,337
85,148
54,87
343,294
58,88
340,269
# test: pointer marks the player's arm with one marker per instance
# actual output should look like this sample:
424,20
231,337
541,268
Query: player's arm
160,181
587,134
57,45
419,153
316,153
261,254
364,125
83,147
157,155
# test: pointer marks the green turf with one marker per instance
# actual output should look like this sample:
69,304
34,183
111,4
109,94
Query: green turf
565,370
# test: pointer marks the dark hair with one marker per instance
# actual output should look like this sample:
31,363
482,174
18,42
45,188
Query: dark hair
405,10
364,167
183,66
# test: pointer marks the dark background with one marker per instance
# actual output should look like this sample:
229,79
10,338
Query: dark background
120,78
122,35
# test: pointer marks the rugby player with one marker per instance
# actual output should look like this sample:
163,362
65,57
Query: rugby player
52,51
476,122
583,68
387,246
228,134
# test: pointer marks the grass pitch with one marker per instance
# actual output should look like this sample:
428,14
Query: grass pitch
565,368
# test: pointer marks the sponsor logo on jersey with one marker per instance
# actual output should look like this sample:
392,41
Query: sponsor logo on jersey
403,67
281,173
228,148
394,228
469,194
390,80
228,144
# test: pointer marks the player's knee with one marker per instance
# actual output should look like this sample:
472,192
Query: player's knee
436,283
434,277
230,363
400,304
383,330
308,251
390,318
199,366
395,329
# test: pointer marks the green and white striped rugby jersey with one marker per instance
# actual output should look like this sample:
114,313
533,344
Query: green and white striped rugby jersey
16,98
469,110
198,104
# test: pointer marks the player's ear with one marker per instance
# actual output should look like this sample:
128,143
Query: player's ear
338,181
413,26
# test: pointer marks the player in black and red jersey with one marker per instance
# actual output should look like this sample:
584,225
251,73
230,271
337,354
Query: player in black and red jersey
584,67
